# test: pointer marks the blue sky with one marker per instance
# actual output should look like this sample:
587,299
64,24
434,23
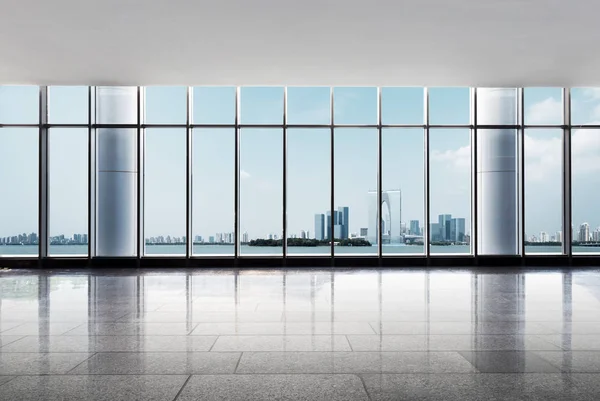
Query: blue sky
308,158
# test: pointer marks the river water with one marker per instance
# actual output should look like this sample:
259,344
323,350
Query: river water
7,250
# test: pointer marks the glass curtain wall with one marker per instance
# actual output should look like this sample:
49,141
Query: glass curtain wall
297,171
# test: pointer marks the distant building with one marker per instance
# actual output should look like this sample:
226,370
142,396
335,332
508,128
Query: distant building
211,239
559,236
390,222
584,232
303,234
414,228
319,227
245,237
344,221
364,232
543,236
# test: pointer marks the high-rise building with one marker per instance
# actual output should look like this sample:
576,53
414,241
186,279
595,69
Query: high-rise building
584,232
211,239
245,237
303,234
414,228
444,222
364,232
558,236
543,236
344,221
331,222
460,229
390,223
320,227
435,234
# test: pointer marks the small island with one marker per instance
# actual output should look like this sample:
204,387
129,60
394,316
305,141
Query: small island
310,242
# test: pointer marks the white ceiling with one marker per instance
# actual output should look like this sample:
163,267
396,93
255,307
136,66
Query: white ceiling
301,42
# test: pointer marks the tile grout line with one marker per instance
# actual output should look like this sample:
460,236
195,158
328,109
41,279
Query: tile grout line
362,380
11,342
182,387
372,328
349,344
213,344
68,331
13,378
81,363
238,363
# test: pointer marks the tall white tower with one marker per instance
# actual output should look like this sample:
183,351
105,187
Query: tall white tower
116,172
497,172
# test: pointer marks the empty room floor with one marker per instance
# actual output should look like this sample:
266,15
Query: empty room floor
301,334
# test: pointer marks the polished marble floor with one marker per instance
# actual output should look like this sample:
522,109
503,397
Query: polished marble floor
300,334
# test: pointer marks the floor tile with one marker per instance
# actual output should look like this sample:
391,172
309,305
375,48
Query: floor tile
450,342
32,329
34,364
111,344
574,361
508,362
5,379
468,327
317,328
274,387
97,388
5,340
134,329
159,363
352,362
7,326
477,387
281,343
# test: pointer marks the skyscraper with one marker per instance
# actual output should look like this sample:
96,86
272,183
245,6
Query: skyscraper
331,222
414,227
343,221
444,226
584,232
320,227
460,230
391,216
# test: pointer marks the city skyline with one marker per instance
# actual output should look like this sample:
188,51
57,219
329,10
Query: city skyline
308,182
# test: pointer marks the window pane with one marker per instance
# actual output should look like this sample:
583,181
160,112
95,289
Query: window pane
449,106
19,104
308,105
68,191
165,191
585,153
261,191
68,104
166,104
213,191
543,191
585,106
403,182
543,106
19,206
354,219
402,105
355,105
308,190
261,105
214,105
450,190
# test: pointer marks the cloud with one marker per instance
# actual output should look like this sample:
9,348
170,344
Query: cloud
459,158
543,157
548,111
591,94
244,174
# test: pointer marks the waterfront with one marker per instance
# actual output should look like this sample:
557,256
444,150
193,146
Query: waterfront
225,250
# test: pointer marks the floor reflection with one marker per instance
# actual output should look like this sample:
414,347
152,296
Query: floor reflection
367,322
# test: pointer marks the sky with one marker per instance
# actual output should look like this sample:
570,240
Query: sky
308,158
